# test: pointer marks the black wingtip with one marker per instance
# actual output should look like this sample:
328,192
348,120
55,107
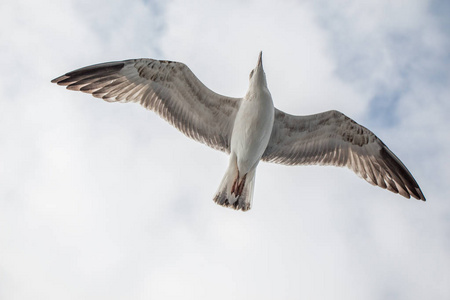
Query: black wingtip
422,196
103,68
59,79
402,172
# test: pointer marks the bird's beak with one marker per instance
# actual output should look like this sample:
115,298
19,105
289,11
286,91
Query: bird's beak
260,60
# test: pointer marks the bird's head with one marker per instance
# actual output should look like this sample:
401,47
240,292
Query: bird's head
257,76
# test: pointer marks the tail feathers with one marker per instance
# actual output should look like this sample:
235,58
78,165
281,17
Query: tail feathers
236,191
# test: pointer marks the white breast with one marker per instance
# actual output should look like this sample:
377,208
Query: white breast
252,129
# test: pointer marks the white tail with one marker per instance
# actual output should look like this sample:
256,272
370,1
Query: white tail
236,190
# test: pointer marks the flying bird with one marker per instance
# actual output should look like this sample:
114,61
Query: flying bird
250,129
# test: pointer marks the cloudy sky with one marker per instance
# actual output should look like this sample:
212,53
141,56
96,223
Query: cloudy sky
108,201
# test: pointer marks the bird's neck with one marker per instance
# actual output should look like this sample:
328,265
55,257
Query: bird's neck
258,92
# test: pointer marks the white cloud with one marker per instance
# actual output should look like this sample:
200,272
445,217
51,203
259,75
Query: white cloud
104,201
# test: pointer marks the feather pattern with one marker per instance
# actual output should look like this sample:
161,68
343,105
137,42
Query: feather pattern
168,88
331,138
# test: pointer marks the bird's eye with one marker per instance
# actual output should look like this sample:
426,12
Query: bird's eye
251,73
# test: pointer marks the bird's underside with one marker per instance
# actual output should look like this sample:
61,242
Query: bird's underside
171,90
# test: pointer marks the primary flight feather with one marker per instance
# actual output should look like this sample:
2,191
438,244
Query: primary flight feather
250,129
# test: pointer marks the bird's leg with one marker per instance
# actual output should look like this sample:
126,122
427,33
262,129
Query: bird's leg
235,185
238,185
241,185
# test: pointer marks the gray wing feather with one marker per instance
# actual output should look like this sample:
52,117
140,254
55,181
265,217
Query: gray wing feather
168,88
331,138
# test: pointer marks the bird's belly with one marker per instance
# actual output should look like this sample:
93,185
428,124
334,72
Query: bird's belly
251,133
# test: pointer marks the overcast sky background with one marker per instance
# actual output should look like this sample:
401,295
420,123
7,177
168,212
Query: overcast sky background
108,201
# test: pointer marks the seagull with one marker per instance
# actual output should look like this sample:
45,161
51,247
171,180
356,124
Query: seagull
249,129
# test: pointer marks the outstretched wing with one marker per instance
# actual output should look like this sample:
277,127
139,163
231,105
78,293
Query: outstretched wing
168,88
331,138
